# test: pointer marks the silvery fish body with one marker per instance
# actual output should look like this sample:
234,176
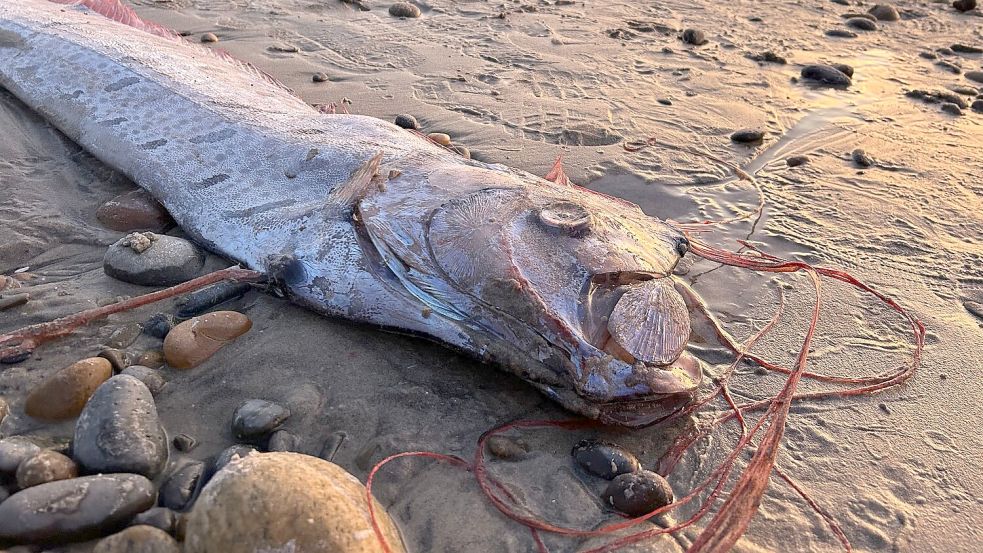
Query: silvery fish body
354,217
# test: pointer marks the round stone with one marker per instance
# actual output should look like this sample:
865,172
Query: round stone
884,12
159,325
254,419
506,448
404,9
975,76
844,68
74,509
748,136
135,210
461,151
192,342
280,501
604,459
964,5
13,451
826,74
440,138
795,161
184,442
320,77
977,107
209,37
138,539
62,395
861,23
951,108
695,37
46,466
151,378
862,158
152,259
638,493
153,358
179,488
406,122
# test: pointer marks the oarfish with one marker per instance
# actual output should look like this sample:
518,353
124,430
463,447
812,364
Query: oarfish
354,217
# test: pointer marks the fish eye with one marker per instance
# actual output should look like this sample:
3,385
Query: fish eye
568,217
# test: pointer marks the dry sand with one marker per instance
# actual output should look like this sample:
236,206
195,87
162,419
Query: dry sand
520,83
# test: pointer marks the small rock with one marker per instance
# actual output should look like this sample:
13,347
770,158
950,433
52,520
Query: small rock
138,539
638,493
964,5
945,51
13,451
118,430
975,76
861,158
695,37
851,15
184,443
404,9
951,108
209,37
928,55
769,57
461,151
118,359
795,161
158,517
201,301
279,501
841,33
977,107
46,466
75,509
506,448
826,74
964,90
966,49
135,211
884,12
748,136
232,453
844,68
124,336
665,101
192,342
281,440
62,395
159,325
320,77
406,122
151,378
254,419
949,66
937,96
440,138
284,47
167,260
178,490
604,459
861,23
13,300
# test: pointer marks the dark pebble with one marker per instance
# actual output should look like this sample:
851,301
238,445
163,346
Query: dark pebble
978,106
237,451
406,122
964,5
884,12
159,325
281,440
178,490
13,300
74,509
769,57
975,76
665,101
951,108
204,300
841,33
949,66
844,68
118,430
117,358
506,448
404,9
937,96
151,378
826,74
966,49
13,451
964,90
928,55
333,444
168,260
842,2
184,443
795,161
852,15
861,23
604,459
748,136
320,77
944,51
638,493
158,517
695,37
861,158
254,419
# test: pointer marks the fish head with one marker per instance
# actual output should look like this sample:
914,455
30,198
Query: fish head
577,281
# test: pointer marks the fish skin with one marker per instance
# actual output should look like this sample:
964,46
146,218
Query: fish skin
257,175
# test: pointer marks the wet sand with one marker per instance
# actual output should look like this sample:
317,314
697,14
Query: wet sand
899,471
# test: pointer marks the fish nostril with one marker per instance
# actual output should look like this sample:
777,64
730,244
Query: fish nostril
682,246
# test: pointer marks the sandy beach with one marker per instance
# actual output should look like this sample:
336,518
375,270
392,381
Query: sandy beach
521,83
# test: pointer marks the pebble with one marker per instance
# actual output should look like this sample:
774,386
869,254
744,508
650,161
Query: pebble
826,74
978,106
406,122
281,440
665,101
852,15
124,336
284,47
184,443
506,448
178,490
928,55
884,12
951,108
45,466
695,37
966,49
638,493
861,158
320,77
937,96
769,57
945,51
440,138
844,68
975,76
117,358
286,501
62,395
150,378
254,419
748,136
164,261
118,431
13,300
604,459
159,325
209,37
192,342
201,301
13,451
861,23
461,151
134,211
964,5
841,33
949,66
74,509
158,517
138,539
153,358
404,9
964,90
795,161
231,453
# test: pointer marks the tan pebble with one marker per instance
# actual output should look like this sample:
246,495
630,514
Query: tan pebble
461,151
8,283
440,138
153,358
209,37
63,395
46,466
192,342
24,277
138,539
117,358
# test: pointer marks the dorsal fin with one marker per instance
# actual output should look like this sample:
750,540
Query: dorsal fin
120,12
349,193
557,175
